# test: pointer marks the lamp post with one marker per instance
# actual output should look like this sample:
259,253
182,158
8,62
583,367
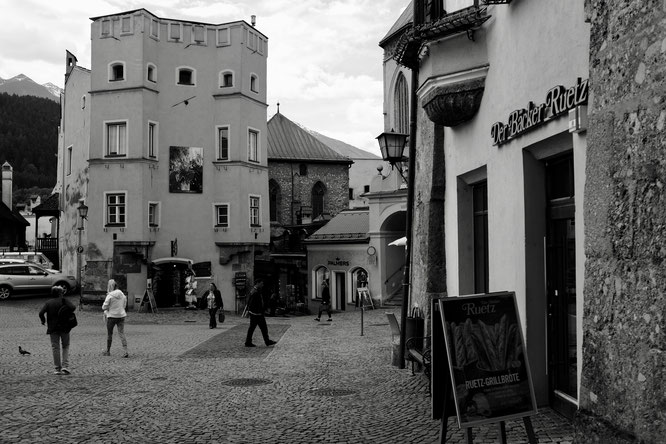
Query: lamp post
83,214
392,146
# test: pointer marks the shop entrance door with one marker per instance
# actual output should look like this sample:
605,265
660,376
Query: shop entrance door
340,290
561,287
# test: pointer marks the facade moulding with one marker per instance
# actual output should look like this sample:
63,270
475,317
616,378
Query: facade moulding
117,90
237,95
230,249
453,104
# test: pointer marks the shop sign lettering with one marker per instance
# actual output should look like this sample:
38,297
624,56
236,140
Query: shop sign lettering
338,262
559,100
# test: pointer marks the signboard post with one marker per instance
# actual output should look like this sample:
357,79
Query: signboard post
487,365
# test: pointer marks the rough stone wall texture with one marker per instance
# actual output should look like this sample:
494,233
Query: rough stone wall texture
428,262
335,178
623,398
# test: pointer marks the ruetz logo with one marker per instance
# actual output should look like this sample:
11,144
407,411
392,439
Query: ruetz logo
559,100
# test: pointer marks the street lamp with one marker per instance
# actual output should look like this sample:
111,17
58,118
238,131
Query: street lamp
392,146
83,214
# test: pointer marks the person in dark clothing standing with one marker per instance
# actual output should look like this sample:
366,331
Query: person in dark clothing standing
325,301
213,299
255,308
56,330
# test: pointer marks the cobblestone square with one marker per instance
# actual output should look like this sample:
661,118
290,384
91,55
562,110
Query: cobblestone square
321,383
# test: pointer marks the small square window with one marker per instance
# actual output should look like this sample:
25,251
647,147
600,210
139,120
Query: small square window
185,77
227,80
198,34
175,31
106,27
126,25
154,28
117,72
223,37
151,76
253,83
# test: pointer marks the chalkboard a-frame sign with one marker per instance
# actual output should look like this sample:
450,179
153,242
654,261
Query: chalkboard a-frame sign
487,363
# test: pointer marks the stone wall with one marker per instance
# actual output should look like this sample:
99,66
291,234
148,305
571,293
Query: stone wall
335,178
622,391
428,263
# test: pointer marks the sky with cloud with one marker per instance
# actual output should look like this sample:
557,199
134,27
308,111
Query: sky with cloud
324,62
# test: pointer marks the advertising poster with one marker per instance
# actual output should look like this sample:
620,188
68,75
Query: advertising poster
487,360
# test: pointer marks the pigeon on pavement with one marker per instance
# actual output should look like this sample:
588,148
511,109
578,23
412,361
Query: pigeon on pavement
23,352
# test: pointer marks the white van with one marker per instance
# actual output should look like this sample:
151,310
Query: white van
30,256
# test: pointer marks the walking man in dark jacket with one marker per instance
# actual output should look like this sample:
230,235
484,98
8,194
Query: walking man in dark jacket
255,308
55,328
325,301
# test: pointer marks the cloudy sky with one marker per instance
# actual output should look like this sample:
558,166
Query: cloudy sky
324,62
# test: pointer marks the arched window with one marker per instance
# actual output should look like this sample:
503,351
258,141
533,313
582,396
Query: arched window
151,75
321,274
401,105
186,76
275,200
226,79
116,71
318,193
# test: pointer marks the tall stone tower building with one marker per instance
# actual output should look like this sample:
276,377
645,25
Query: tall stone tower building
164,139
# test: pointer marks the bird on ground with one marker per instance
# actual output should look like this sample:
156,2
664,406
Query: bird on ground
23,352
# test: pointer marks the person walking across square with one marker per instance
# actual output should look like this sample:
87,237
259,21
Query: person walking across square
325,302
115,314
56,330
213,299
255,308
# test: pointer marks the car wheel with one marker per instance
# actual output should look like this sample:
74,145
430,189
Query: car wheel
63,285
5,292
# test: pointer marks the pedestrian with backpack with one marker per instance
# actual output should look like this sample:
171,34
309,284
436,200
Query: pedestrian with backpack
55,314
115,314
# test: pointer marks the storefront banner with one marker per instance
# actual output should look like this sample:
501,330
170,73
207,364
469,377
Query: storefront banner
487,360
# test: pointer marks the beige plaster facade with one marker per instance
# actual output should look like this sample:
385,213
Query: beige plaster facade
147,155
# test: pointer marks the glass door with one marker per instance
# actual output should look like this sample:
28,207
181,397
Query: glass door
561,287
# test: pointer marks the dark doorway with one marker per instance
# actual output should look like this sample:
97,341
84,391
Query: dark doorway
340,290
561,286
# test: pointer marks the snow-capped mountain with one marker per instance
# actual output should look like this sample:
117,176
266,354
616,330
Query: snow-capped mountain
22,85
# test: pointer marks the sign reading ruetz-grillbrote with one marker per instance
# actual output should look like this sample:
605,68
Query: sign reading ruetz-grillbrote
487,360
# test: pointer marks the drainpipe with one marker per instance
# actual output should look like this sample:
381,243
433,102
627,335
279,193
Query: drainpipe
410,211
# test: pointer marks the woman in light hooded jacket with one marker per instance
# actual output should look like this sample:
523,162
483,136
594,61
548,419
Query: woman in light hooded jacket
114,312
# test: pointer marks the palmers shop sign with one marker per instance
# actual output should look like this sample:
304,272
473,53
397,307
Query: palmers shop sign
559,100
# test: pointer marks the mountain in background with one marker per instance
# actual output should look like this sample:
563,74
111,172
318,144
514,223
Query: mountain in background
22,85
29,139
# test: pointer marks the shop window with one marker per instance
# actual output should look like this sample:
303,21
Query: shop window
115,209
321,274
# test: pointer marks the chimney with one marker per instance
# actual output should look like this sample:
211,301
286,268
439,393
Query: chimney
7,176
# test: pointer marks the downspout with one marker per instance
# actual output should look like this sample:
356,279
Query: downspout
410,211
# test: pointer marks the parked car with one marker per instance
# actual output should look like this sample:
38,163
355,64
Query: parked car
30,256
5,260
27,278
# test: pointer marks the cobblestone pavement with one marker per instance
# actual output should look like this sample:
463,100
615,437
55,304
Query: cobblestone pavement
322,383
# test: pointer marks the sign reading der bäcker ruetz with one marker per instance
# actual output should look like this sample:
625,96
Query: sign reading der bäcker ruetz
487,360
559,100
